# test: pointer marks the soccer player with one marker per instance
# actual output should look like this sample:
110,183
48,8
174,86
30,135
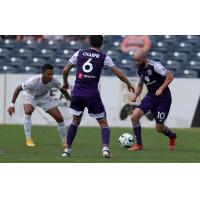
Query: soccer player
158,99
36,93
89,64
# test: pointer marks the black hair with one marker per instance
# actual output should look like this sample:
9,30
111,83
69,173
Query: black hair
46,66
96,41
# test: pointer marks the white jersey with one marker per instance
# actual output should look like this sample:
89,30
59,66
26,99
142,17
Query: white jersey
37,89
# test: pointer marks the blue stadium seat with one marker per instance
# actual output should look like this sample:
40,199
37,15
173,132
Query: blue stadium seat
8,44
51,45
192,39
15,61
194,63
157,56
30,44
45,54
160,46
7,69
60,62
187,73
75,45
171,39
64,53
127,64
28,69
22,53
113,54
178,56
37,62
196,56
184,47
4,53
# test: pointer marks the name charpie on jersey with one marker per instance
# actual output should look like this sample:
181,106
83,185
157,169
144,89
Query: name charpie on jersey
89,64
153,76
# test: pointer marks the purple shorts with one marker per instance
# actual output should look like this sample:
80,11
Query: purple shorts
93,104
159,106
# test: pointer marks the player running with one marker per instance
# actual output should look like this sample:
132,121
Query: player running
158,99
89,64
36,93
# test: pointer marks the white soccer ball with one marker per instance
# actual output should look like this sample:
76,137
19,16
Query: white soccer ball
126,140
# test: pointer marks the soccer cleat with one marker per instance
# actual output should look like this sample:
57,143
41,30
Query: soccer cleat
172,143
136,147
29,143
106,152
66,152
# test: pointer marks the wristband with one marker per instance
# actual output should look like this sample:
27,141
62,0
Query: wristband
12,105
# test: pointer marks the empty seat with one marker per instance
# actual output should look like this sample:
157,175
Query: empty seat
7,69
65,53
30,69
8,44
178,56
113,54
30,44
157,56
45,53
4,53
37,62
51,45
60,62
15,61
187,73
22,53
184,47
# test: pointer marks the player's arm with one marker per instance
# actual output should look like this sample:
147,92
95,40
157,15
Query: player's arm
66,71
138,90
65,93
11,109
123,78
71,63
168,77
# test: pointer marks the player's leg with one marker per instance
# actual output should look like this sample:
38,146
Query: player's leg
71,134
105,137
28,110
96,109
160,115
77,108
62,130
146,105
135,118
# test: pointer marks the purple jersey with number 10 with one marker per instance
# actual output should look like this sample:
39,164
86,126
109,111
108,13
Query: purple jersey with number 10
89,64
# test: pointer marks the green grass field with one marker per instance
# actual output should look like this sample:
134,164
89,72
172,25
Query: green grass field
87,147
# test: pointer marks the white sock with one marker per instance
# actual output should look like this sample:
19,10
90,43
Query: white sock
62,130
27,126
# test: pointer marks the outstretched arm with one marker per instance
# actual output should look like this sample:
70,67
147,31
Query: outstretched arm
65,93
169,78
11,109
123,78
66,71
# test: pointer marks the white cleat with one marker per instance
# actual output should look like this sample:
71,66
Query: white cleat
66,152
106,152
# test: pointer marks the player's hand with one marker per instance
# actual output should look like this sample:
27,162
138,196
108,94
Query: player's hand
65,86
131,88
133,98
159,92
11,110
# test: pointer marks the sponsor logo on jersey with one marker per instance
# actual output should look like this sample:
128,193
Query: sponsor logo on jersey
149,72
147,78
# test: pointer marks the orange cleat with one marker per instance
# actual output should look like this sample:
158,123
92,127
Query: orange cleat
172,143
136,147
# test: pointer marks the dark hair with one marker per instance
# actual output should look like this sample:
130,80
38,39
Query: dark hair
47,66
96,40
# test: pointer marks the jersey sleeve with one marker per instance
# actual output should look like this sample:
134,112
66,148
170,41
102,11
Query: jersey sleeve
109,62
57,83
158,67
28,84
73,59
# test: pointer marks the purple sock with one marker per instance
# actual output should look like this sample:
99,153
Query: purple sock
105,136
137,132
71,133
169,133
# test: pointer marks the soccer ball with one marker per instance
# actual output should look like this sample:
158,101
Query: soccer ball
126,140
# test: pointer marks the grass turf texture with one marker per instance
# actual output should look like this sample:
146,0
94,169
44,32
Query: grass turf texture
87,146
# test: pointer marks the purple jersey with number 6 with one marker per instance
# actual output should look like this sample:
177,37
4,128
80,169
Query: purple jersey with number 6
89,64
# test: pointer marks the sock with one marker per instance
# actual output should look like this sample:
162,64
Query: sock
169,133
62,131
105,136
27,126
71,134
137,132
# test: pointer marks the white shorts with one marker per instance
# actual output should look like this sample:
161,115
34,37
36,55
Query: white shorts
46,103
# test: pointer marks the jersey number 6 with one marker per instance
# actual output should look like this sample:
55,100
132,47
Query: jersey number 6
87,66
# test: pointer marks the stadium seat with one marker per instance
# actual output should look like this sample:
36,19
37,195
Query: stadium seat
160,46
184,47
4,53
30,70
7,69
157,56
60,62
187,73
30,44
171,39
51,45
75,45
192,39
37,62
178,56
64,53
127,64
196,56
15,61
22,53
8,44
113,54
45,54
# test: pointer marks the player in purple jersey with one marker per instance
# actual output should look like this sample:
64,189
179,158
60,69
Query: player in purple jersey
89,64
158,99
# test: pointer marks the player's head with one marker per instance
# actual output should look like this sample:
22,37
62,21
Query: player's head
140,58
96,41
47,73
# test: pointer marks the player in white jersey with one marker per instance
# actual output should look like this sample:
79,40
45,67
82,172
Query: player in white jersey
36,93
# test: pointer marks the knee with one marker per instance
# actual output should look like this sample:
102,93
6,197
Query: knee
28,111
60,119
160,128
135,118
